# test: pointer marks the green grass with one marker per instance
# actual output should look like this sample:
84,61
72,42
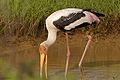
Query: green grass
23,72
27,17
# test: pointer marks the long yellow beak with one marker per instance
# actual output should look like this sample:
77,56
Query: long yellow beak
43,60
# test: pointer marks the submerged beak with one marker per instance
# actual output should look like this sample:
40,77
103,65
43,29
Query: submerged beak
43,59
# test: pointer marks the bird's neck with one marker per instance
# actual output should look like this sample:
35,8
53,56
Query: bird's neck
50,39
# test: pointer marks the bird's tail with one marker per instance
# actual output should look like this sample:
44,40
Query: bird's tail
95,12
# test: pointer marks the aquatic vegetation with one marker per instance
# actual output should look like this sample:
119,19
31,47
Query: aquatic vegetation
27,17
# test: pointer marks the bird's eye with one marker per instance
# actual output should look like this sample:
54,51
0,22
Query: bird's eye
44,48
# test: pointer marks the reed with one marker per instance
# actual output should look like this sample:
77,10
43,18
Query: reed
27,17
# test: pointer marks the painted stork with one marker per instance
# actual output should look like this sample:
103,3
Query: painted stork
66,20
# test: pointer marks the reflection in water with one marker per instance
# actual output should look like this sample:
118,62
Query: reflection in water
102,60
90,73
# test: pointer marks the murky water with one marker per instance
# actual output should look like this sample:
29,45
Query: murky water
102,60
111,72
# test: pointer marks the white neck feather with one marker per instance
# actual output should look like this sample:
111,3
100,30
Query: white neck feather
52,34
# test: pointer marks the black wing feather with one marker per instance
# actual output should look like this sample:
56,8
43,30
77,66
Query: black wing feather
66,20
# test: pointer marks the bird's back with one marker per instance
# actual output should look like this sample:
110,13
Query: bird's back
70,18
64,12
58,14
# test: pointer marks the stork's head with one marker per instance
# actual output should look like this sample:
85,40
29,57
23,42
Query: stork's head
43,58
42,49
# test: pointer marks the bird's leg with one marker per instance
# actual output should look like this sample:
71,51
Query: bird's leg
68,54
81,75
86,47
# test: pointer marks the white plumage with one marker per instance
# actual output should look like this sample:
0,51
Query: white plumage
52,29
